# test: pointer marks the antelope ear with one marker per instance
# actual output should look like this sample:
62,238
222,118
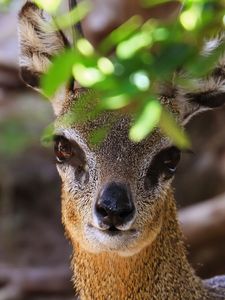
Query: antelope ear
39,42
209,92
211,97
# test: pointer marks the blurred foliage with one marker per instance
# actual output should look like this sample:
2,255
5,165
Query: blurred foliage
146,54
8,5
4,4
130,64
21,123
14,137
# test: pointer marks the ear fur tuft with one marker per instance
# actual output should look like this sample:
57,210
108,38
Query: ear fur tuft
38,43
209,92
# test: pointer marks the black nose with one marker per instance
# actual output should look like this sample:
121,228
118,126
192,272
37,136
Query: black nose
114,206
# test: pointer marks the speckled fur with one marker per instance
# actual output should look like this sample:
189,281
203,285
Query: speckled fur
159,271
151,262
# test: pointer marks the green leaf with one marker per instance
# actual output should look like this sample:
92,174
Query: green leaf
170,127
115,102
51,6
150,3
190,18
172,57
48,135
133,71
147,121
97,136
85,47
203,64
130,47
141,80
121,33
74,16
105,66
87,77
59,72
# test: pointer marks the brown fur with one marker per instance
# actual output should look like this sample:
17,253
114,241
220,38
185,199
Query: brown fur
150,261
159,271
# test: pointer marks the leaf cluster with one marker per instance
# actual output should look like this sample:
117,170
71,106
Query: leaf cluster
145,54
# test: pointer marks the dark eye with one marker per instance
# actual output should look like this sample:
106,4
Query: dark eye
163,164
69,152
63,149
170,159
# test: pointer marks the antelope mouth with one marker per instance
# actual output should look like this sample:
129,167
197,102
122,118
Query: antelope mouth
112,238
113,230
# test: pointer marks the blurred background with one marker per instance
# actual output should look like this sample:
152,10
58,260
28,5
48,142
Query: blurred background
34,254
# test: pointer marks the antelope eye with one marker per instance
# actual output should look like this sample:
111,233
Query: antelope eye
170,159
70,153
63,149
163,164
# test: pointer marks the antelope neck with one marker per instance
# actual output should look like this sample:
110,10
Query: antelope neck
160,271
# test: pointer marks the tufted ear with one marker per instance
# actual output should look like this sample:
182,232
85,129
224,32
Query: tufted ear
209,92
39,42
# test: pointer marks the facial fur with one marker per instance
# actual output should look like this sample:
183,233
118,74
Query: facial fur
117,159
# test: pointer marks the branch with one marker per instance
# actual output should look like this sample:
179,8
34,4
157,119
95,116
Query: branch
205,222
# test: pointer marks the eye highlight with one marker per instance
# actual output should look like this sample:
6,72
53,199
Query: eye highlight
163,164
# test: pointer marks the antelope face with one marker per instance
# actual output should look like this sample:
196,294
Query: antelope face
113,194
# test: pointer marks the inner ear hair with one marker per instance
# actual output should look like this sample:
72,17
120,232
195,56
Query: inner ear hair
208,99
39,42
209,92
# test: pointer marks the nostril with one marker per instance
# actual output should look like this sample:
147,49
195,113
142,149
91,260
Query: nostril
125,214
101,211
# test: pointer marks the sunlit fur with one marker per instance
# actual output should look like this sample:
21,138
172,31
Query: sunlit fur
148,259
